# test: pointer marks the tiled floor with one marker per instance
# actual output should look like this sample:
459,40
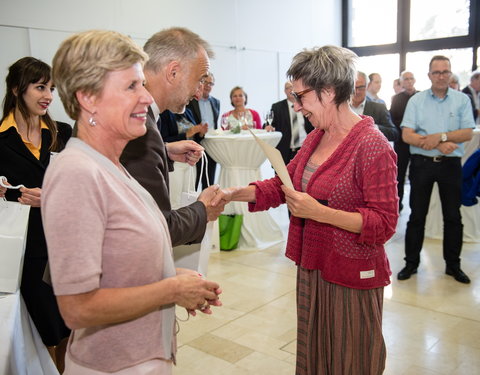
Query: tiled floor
431,322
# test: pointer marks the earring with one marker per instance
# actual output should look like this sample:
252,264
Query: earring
92,121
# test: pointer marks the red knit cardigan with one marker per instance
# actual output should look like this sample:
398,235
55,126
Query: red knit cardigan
360,176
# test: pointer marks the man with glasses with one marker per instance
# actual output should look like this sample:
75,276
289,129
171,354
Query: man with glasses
361,106
293,125
206,110
397,109
436,123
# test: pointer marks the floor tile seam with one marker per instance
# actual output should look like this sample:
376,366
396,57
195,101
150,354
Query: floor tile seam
251,311
260,269
436,311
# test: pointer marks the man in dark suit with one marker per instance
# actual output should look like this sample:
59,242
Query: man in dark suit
397,109
172,82
473,92
288,122
361,106
206,110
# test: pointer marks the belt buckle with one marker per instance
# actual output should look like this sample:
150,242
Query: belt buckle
437,159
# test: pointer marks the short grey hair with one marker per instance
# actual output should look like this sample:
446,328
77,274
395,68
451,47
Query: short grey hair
173,44
405,72
363,75
326,67
454,78
475,75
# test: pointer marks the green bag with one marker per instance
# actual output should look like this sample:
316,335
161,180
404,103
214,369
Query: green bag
229,228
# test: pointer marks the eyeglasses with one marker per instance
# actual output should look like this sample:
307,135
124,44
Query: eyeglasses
438,73
298,95
211,84
363,87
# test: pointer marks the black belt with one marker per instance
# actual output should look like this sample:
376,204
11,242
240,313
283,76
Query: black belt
435,159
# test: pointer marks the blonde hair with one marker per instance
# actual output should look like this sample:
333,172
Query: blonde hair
83,60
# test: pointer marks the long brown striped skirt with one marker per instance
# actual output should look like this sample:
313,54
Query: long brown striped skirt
339,329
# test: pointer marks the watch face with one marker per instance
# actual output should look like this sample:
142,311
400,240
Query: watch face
444,137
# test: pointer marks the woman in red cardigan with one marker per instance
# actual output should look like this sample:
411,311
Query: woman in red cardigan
344,208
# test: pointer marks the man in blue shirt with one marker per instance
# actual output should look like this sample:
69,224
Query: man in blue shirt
435,124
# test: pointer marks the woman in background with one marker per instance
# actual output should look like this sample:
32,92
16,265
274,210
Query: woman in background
241,115
28,140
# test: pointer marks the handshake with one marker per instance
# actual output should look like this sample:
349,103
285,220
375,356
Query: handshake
214,200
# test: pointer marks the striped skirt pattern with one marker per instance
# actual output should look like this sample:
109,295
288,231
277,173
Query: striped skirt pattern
339,329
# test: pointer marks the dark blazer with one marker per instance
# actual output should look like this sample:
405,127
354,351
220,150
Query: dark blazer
146,160
194,107
467,91
167,125
281,122
19,166
381,116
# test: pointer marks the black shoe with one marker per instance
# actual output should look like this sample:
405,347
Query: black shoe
458,275
406,272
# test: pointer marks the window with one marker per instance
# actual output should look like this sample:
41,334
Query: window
430,20
460,59
387,66
421,29
368,33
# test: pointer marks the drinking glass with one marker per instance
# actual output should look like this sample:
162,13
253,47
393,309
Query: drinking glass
269,117
225,124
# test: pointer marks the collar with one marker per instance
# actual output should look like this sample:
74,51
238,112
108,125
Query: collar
10,122
361,105
430,91
155,110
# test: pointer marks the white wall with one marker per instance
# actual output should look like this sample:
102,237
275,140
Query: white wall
254,40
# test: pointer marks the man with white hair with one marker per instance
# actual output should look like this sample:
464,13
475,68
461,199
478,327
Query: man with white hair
397,109
361,106
177,67
473,91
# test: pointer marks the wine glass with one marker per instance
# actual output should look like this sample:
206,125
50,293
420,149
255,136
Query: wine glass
225,124
269,117
241,119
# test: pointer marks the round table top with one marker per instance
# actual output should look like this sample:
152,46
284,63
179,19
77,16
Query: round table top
244,134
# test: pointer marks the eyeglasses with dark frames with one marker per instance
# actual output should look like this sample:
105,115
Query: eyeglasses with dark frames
438,73
298,95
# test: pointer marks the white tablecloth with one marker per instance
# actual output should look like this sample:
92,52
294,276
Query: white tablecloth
470,215
240,158
21,349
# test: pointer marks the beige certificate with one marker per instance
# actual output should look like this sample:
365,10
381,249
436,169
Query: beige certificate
275,157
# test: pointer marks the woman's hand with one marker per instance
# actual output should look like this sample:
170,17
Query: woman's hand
195,293
301,204
30,197
3,189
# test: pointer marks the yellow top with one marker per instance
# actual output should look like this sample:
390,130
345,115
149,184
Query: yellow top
10,122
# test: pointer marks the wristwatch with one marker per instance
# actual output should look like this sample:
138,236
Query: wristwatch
443,137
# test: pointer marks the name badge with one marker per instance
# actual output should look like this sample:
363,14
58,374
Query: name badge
367,274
